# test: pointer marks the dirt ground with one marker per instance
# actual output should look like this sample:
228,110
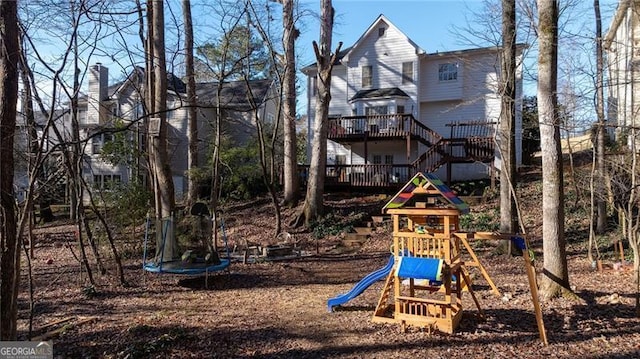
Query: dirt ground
278,309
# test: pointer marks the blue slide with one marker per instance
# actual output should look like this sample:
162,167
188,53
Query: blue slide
365,283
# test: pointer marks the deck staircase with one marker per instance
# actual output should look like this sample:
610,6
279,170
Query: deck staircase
470,142
54,180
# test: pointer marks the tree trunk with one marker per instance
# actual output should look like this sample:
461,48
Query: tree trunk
10,240
506,132
159,156
110,239
314,206
601,205
192,114
291,181
555,275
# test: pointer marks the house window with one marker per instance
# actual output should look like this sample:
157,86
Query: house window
341,160
98,141
106,181
139,109
377,159
381,31
400,109
376,110
271,118
407,72
312,84
367,76
448,72
96,144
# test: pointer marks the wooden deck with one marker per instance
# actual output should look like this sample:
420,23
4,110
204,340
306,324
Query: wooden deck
380,127
468,142
364,176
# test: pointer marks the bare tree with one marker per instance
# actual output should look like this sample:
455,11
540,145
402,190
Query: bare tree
267,150
291,181
192,114
10,239
157,102
506,132
623,187
601,206
555,274
223,66
313,205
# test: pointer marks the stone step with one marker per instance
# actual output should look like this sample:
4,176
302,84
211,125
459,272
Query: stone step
354,239
363,230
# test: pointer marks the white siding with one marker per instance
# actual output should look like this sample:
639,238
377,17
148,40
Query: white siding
385,55
339,93
432,89
622,95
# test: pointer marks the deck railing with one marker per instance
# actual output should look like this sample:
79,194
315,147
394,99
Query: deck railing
364,175
380,126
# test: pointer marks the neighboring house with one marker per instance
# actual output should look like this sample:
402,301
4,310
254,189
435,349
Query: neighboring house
396,110
623,58
105,105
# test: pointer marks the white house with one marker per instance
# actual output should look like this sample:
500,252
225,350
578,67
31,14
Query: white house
397,109
623,56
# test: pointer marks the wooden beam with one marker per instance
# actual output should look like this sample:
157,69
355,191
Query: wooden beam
533,285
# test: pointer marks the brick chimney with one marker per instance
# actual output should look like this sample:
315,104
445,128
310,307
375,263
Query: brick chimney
98,83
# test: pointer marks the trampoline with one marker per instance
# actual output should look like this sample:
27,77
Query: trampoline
167,259
180,267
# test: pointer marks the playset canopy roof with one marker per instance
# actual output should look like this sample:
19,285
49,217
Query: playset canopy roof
430,189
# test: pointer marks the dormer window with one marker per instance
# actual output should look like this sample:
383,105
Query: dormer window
448,72
381,31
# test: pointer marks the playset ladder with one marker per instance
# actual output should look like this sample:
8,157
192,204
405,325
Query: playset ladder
383,303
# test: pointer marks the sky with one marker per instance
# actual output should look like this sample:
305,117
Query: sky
429,23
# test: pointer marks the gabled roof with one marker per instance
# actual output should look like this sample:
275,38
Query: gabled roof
429,188
379,93
373,27
234,94
174,83
344,54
